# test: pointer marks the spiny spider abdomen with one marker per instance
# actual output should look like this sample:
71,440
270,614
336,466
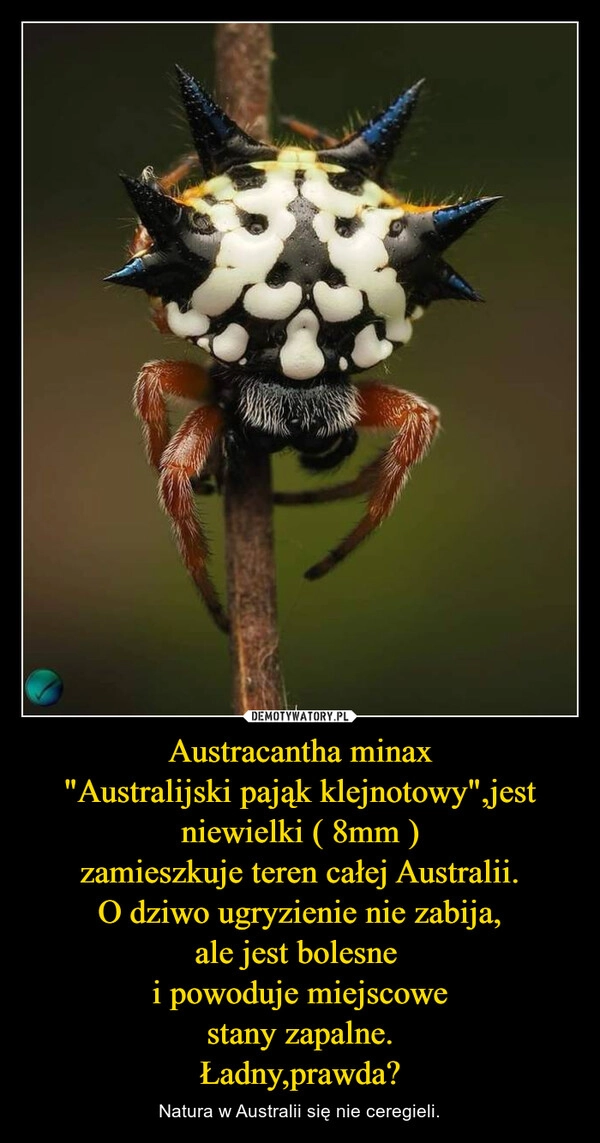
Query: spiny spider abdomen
294,269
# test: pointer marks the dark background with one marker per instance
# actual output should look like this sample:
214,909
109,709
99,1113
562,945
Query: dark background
464,602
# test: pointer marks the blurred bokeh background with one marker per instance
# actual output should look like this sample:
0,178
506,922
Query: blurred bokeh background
464,602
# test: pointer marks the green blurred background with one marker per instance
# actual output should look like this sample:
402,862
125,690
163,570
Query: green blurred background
464,602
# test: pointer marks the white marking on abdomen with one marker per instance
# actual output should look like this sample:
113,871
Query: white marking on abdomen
339,304
189,324
363,260
272,200
318,190
378,222
399,329
263,301
231,344
224,216
368,349
252,255
220,290
301,357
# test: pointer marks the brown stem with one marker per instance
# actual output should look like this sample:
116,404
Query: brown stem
244,53
243,67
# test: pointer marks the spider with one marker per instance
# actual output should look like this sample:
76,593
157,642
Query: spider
294,269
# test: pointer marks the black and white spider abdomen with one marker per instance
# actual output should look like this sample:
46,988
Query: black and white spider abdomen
300,282
291,267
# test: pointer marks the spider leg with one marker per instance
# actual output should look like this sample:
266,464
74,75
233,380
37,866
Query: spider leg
181,171
319,139
156,380
361,483
415,423
184,457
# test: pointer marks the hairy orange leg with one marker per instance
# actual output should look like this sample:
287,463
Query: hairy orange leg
187,454
157,380
415,424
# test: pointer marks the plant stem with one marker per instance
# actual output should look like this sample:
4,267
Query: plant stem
243,71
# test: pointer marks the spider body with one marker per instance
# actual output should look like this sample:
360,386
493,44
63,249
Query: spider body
295,270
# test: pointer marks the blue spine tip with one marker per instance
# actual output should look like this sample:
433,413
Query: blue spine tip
462,289
448,215
126,272
452,221
394,118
